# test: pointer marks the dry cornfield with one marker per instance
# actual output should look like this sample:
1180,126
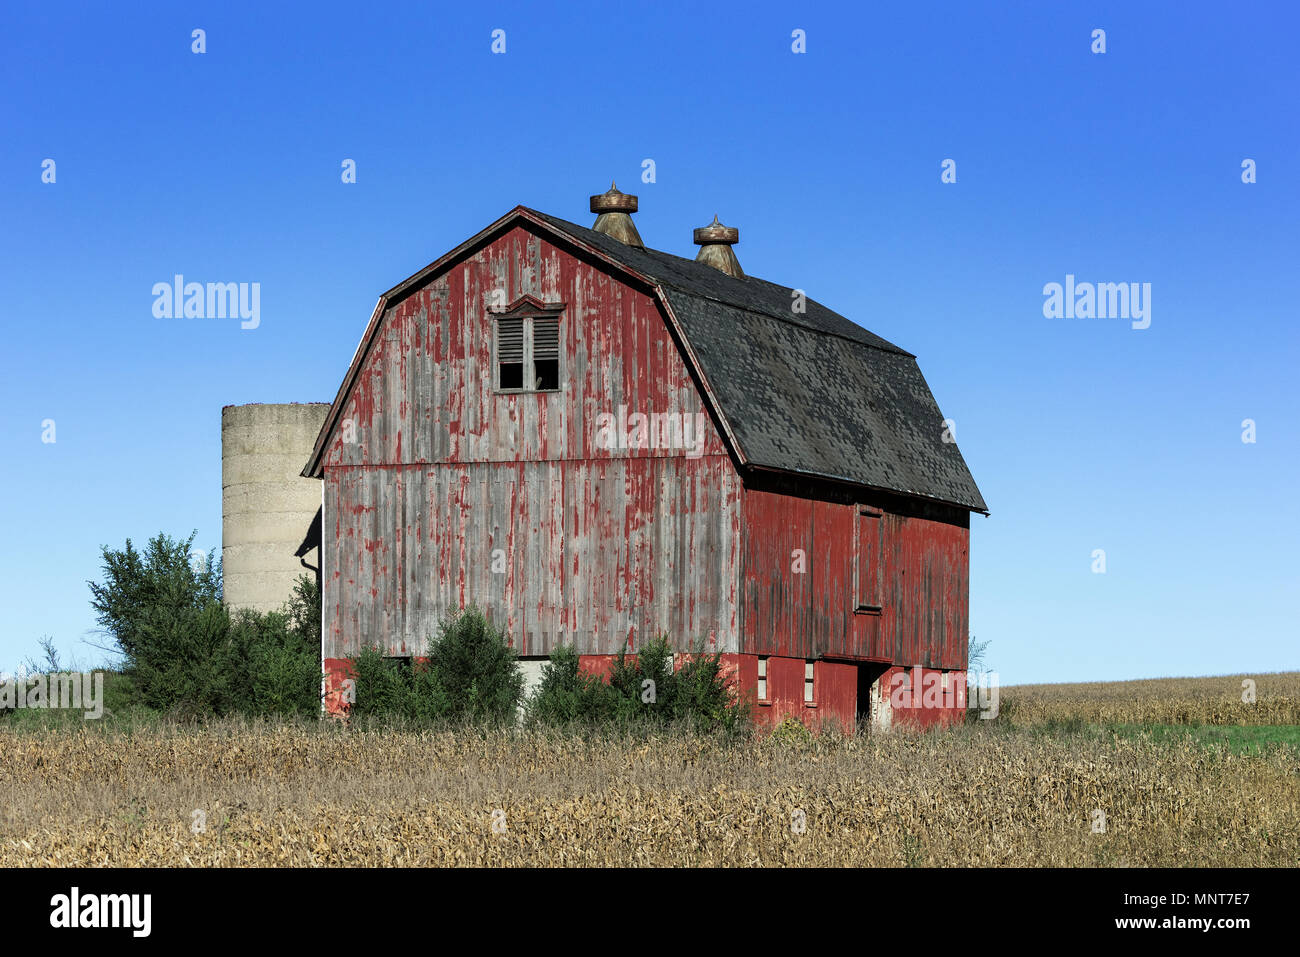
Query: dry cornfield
1182,701
233,794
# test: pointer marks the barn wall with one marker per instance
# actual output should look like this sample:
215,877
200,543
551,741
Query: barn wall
590,553
924,698
441,492
835,690
894,697
798,590
424,393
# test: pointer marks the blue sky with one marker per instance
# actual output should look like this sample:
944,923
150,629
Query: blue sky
1123,166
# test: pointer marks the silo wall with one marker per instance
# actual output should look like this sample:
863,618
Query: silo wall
266,506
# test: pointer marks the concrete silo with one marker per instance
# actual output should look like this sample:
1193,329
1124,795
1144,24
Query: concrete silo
267,508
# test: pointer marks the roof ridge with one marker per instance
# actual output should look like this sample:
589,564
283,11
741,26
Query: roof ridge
781,317
882,345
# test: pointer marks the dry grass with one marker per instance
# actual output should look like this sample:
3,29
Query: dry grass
1216,701
329,797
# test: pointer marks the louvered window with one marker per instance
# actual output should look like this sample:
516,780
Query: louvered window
528,353
510,353
546,353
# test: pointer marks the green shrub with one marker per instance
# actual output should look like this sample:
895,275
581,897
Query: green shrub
469,675
193,662
567,696
303,611
139,587
121,696
642,690
185,655
395,688
179,661
792,732
705,697
164,614
272,659
646,684
427,700
272,668
378,684
472,665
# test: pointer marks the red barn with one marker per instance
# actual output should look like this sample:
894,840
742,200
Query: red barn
598,443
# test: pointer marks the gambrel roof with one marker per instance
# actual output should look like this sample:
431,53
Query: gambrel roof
800,392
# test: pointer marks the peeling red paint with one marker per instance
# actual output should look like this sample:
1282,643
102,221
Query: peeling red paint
801,595
445,470
461,494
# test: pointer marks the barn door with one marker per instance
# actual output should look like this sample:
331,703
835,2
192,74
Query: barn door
869,692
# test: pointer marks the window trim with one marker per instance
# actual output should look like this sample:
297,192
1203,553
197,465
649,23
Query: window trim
524,332
810,683
527,310
861,607
763,687
531,349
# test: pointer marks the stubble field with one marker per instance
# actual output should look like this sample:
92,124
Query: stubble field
1133,774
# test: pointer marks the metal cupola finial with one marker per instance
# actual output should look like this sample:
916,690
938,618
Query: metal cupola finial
614,218
715,241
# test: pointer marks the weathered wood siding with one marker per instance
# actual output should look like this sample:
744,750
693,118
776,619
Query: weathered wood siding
441,492
921,558
425,392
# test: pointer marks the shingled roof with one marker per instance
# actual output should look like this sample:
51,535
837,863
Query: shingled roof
806,393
